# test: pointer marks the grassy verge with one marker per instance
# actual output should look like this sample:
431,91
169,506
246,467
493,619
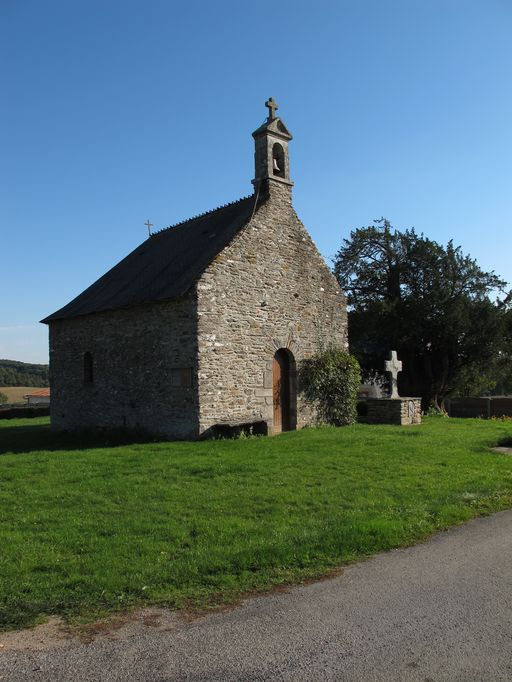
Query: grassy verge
86,531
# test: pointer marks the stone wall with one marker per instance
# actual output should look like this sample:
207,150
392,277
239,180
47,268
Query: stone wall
269,289
402,411
137,355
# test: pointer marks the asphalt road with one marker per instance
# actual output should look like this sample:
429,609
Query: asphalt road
437,611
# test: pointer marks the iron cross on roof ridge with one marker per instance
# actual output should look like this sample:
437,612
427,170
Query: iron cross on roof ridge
393,366
149,226
272,108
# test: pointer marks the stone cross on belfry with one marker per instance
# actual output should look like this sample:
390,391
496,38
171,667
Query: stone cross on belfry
393,366
271,106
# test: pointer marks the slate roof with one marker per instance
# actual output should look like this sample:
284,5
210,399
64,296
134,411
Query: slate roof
43,393
164,266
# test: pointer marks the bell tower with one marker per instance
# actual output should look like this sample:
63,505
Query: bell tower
271,150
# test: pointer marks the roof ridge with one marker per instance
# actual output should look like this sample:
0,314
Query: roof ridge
201,215
153,273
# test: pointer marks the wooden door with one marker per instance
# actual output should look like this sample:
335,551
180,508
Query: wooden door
281,391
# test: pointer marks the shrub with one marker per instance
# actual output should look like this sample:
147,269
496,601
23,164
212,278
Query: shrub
330,382
435,411
3,399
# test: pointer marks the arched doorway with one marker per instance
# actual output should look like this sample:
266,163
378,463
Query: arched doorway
284,391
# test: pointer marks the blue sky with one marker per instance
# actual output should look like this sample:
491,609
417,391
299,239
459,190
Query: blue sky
114,112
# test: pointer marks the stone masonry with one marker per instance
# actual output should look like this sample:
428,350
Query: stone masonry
402,411
134,352
267,290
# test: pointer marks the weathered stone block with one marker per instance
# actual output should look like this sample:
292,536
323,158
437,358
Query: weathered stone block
403,411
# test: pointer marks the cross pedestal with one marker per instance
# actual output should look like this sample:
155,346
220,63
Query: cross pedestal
395,409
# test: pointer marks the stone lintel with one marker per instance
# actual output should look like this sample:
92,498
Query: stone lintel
274,178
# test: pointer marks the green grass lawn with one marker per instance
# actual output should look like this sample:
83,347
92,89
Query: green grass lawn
87,529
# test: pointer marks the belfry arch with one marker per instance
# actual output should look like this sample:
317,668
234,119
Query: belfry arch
278,160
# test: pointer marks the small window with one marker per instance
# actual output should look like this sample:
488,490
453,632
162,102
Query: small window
181,377
88,370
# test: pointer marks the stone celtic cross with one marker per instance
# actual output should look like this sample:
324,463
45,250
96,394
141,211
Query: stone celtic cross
272,107
393,366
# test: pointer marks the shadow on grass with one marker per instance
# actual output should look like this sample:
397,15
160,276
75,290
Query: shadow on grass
39,437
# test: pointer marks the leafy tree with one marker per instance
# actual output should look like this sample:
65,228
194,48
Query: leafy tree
503,368
430,303
14,373
330,381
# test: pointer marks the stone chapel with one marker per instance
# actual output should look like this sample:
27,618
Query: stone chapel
203,326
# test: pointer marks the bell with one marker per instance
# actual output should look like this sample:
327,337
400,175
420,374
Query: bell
275,166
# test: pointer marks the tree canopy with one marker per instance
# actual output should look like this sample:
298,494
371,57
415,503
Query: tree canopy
431,303
14,373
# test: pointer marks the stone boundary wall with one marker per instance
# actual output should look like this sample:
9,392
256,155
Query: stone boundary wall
402,411
483,408
24,412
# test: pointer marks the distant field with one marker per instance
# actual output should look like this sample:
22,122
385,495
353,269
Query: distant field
15,393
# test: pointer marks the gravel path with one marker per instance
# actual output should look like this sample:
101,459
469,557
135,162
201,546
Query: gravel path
437,611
